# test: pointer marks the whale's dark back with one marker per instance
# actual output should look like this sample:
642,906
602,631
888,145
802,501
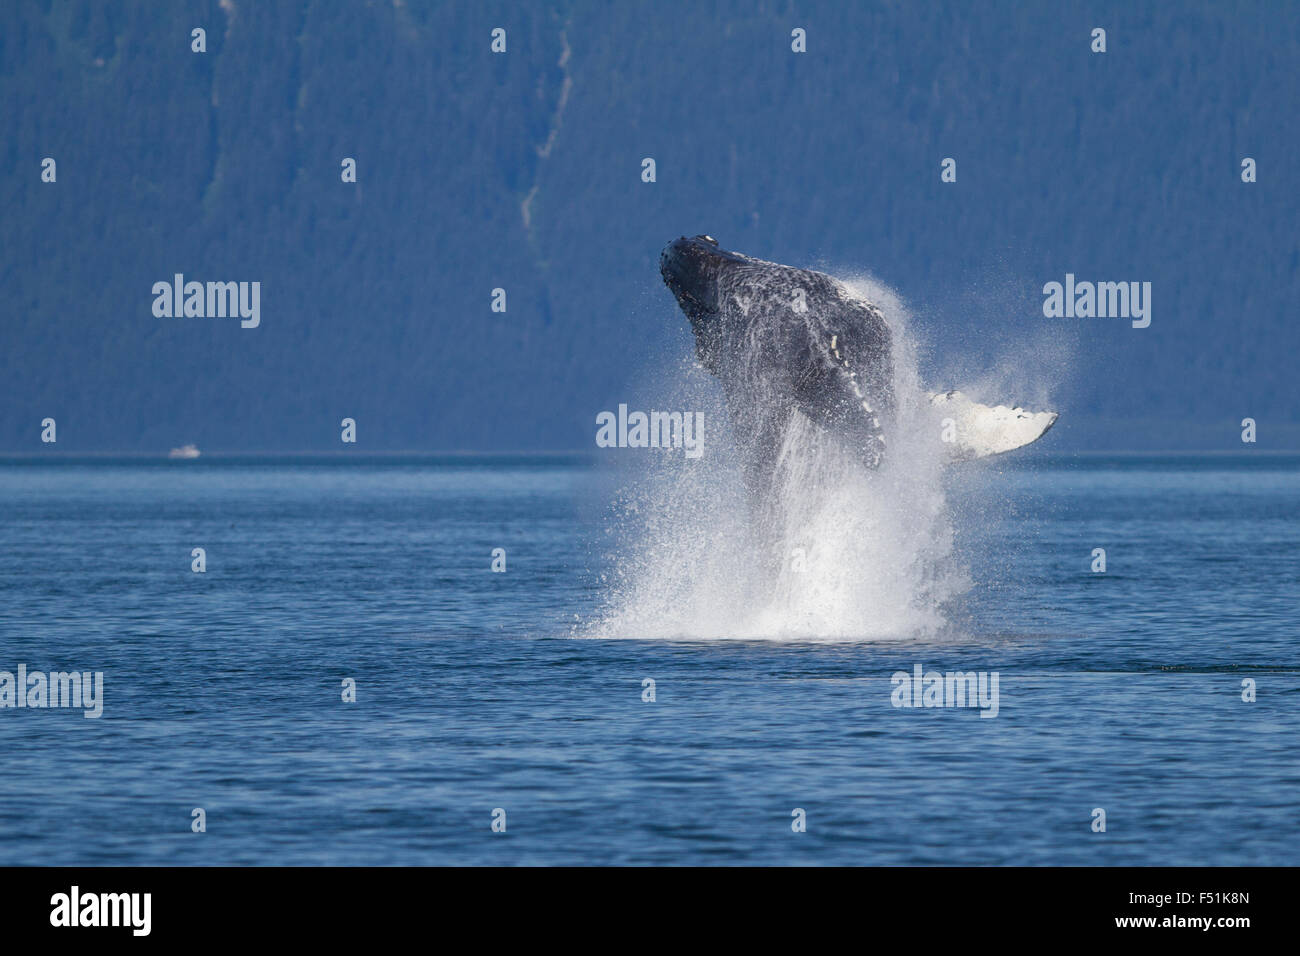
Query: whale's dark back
783,339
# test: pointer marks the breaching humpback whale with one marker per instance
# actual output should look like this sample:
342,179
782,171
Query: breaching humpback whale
782,340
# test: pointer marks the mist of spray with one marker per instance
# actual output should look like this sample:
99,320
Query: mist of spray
839,553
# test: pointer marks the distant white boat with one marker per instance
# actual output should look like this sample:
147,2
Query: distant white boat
185,451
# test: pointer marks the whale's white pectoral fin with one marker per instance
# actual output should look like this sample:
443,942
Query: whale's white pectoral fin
969,430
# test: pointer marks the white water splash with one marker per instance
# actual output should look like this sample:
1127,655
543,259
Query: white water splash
839,553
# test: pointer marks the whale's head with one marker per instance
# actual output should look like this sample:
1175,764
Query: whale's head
694,270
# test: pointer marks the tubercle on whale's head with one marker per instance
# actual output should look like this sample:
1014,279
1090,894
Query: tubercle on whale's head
692,268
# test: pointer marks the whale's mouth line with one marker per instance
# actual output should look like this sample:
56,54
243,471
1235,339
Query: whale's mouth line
693,268
683,296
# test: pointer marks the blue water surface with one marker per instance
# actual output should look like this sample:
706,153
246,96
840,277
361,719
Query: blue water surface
223,690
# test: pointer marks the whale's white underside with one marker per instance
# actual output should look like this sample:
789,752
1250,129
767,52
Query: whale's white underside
977,431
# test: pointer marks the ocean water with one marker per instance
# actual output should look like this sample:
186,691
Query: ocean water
523,690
